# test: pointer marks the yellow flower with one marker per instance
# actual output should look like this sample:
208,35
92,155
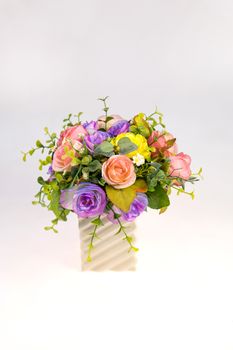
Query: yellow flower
139,140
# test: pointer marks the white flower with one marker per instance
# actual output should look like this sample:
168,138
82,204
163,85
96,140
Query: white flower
138,159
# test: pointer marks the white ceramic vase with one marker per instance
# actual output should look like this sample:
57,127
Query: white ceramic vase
110,252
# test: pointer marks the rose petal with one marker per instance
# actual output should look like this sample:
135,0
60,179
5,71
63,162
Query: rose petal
66,198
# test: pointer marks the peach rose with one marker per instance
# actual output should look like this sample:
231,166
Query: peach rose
111,122
118,171
61,161
74,133
180,166
161,145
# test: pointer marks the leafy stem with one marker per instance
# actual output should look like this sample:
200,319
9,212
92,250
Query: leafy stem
105,109
154,121
181,190
128,238
68,122
96,222
76,176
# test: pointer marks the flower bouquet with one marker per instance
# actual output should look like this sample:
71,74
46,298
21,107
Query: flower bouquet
110,170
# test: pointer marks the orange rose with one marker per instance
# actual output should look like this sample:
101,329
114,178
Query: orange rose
118,171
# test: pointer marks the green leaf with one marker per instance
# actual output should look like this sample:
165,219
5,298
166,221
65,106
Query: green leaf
152,182
170,142
39,144
59,177
31,151
40,180
133,129
94,166
156,165
24,157
86,160
122,198
104,149
126,146
55,203
117,216
142,125
158,199
48,160
97,222
108,118
162,210
139,185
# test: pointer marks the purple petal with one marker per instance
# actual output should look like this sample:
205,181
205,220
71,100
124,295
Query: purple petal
66,198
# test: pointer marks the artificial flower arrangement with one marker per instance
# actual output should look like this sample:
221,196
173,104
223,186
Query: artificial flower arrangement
110,166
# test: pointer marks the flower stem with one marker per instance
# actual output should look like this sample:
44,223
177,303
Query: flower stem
75,177
91,246
122,228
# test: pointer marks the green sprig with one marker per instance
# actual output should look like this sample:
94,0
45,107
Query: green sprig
96,222
122,229
68,120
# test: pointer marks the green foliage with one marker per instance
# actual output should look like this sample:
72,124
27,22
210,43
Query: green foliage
141,125
122,229
170,143
95,165
69,122
105,109
54,205
123,198
39,144
104,149
154,177
139,185
181,190
86,160
97,222
156,122
45,162
158,198
126,146
40,180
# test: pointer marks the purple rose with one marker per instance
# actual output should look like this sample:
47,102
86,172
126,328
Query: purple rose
119,127
139,204
91,127
95,139
86,199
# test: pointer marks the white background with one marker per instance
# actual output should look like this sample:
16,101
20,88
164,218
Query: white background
58,57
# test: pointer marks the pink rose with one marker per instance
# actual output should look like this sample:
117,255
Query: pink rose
61,161
118,171
180,166
101,121
161,144
74,133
